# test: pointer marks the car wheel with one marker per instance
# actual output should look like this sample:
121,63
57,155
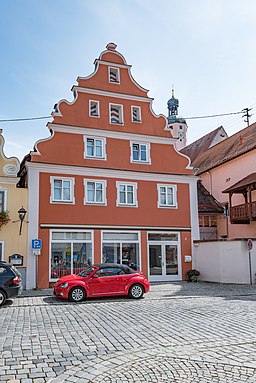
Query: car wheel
136,291
77,294
2,298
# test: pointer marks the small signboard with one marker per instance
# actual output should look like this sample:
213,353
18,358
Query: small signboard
249,244
36,244
16,259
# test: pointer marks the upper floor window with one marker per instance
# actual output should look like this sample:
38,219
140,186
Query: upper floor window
95,147
3,204
62,189
167,195
95,192
126,194
114,75
94,108
140,152
116,114
136,114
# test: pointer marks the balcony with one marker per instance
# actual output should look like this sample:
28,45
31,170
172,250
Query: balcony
243,213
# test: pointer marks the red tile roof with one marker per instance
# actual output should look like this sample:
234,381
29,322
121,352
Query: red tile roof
232,147
206,202
240,186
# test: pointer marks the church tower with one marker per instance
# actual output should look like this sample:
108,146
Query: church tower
176,124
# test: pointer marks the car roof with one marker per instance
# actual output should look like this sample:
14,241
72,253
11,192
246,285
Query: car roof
6,263
126,268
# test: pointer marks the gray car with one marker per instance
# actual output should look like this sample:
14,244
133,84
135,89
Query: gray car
10,282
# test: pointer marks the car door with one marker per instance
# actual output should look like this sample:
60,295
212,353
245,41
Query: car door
106,281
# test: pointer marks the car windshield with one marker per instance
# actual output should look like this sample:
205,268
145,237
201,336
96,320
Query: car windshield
86,271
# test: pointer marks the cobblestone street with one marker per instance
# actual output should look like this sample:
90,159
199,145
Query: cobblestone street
179,332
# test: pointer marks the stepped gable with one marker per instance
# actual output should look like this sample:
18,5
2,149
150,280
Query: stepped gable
232,147
199,146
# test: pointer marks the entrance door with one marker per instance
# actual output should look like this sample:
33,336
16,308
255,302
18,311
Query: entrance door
164,262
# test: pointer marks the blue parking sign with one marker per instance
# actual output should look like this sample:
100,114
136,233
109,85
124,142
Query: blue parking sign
36,244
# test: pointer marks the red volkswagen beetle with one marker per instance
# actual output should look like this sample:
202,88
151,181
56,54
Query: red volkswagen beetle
105,279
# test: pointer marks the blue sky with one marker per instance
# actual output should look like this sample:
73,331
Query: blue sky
206,48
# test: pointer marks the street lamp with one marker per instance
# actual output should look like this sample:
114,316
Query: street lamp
22,213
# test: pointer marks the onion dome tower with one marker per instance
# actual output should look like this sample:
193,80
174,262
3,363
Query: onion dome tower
176,124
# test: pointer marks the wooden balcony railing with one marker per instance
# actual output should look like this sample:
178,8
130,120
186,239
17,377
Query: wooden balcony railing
243,213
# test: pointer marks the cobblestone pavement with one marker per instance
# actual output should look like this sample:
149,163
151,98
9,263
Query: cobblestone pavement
180,332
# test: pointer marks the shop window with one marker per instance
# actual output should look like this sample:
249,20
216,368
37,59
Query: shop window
122,248
71,252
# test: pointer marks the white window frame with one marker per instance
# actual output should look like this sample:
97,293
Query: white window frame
148,160
121,112
135,193
97,108
103,140
3,251
61,201
104,188
118,75
166,186
139,109
72,241
5,197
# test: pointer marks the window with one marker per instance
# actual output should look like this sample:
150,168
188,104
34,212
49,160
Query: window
109,271
62,190
126,194
95,192
116,114
71,252
121,247
140,152
114,75
136,114
95,147
3,195
167,196
94,108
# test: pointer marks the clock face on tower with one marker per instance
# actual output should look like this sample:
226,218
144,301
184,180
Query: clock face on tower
180,135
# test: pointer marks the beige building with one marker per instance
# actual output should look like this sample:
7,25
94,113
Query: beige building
13,241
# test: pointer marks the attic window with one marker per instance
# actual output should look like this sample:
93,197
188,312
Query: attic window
116,114
114,75
94,109
136,114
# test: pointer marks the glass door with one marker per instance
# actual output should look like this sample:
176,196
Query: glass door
164,261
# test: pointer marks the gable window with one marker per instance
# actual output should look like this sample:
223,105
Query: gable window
95,192
136,114
3,195
95,147
94,108
126,194
116,114
167,195
139,152
114,75
62,190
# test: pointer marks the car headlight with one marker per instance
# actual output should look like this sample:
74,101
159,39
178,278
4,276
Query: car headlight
64,285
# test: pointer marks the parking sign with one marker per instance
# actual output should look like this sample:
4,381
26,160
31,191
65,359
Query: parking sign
36,244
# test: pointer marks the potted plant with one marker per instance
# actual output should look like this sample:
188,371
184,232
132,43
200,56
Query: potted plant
4,218
193,275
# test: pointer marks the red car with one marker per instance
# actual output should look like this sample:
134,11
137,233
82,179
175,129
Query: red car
105,279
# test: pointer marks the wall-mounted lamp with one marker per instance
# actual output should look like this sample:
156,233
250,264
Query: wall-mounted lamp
22,213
